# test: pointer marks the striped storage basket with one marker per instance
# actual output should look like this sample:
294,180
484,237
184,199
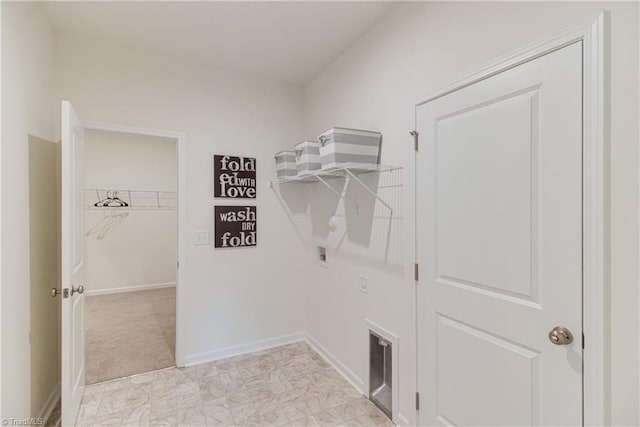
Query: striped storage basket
340,145
307,157
285,163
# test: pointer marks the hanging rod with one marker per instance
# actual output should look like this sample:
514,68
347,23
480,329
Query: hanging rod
99,199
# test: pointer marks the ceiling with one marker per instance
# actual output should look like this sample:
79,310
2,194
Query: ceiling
284,41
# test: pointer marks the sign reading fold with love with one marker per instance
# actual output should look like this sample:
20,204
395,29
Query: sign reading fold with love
234,177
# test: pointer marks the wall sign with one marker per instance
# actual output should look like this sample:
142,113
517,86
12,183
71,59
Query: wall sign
234,177
236,226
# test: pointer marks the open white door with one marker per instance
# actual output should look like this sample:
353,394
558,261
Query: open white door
73,268
499,214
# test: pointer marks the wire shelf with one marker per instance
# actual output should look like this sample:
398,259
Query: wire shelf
134,199
343,170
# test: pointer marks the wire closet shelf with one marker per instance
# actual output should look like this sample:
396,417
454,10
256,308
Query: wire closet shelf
100,199
346,169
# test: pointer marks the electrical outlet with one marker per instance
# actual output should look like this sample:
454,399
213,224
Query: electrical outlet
201,238
364,284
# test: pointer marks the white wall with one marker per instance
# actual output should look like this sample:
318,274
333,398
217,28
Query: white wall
375,85
27,108
137,248
233,296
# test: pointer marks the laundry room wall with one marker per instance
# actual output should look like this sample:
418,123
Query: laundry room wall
234,297
27,111
133,247
375,85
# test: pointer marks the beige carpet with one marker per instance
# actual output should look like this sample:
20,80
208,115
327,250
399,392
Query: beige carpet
129,333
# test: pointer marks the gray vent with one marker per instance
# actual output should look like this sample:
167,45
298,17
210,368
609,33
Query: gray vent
380,373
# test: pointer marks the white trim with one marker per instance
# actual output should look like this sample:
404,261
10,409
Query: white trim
136,130
595,234
395,374
1,222
402,420
136,288
181,288
520,56
241,349
50,404
342,369
595,196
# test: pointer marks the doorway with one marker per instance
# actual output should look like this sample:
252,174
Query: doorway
501,198
511,219
72,248
131,245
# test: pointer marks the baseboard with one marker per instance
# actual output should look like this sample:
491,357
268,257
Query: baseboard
402,420
347,373
238,350
130,289
50,404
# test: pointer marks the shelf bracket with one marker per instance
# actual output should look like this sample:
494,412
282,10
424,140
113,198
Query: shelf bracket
373,193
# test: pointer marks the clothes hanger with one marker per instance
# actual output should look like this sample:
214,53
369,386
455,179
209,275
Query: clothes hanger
117,202
111,201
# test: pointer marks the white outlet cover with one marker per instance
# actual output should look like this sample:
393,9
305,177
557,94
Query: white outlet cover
201,238
363,282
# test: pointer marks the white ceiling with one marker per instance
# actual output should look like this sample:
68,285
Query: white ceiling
285,41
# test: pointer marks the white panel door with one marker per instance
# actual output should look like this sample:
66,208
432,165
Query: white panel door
499,219
73,267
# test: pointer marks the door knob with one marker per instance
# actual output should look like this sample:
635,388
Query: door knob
55,292
79,290
560,336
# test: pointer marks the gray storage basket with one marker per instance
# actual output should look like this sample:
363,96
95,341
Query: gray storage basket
339,146
307,157
285,164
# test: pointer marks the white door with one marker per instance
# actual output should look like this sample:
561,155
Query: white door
73,268
499,219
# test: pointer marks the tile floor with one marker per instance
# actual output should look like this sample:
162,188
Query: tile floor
55,418
289,385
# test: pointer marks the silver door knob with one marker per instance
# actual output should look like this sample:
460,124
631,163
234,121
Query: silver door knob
79,290
54,292
560,336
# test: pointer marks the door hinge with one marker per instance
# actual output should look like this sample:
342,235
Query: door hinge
415,271
417,401
583,340
414,134
178,264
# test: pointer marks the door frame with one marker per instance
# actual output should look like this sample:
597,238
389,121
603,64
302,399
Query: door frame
181,276
594,36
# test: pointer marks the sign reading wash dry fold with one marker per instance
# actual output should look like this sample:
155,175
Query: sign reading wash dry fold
236,226
234,177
